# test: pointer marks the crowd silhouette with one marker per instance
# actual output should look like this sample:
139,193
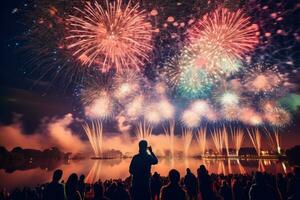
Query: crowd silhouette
141,185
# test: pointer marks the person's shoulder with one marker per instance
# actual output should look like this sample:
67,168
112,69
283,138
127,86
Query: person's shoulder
136,156
164,188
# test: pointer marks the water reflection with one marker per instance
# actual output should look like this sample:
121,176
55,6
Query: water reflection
118,168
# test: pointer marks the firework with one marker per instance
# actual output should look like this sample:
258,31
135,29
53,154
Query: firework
126,84
144,131
170,134
134,109
223,31
255,137
249,116
238,137
111,35
264,79
167,110
201,107
277,116
201,139
193,82
95,172
95,136
161,88
152,115
218,139
185,78
226,141
229,98
190,119
230,113
187,136
99,106
274,139
220,39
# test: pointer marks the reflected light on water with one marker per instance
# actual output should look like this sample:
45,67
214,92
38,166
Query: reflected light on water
118,168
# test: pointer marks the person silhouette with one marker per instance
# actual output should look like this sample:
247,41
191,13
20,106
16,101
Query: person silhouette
72,192
81,186
155,186
190,182
173,191
205,183
260,190
55,190
140,169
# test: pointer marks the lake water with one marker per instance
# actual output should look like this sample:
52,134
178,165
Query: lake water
37,173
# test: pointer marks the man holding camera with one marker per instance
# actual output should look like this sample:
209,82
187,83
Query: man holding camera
140,169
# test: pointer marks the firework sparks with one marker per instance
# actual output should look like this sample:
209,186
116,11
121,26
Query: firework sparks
255,137
230,113
229,99
112,35
193,82
152,114
226,140
144,131
126,84
95,136
238,137
220,39
190,119
135,108
277,116
100,106
249,116
170,133
264,79
201,139
274,139
187,136
231,33
217,136
166,108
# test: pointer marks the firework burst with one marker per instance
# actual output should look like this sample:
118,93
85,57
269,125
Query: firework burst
220,39
190,119
264,79
277,117
193,82
111,35
223,31
126,84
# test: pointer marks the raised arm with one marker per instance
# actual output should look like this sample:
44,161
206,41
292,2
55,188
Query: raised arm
154,159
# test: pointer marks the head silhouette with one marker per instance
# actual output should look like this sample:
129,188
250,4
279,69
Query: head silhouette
174,176
57,174
202,169
143,146
72,182
98,190
81,178
297,172
188,170
259,178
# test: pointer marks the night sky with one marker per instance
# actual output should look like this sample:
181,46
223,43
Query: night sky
27,97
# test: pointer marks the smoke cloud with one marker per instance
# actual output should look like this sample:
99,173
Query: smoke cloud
55,133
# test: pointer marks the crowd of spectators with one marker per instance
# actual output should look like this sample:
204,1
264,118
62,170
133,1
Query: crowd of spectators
141,185
202,186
